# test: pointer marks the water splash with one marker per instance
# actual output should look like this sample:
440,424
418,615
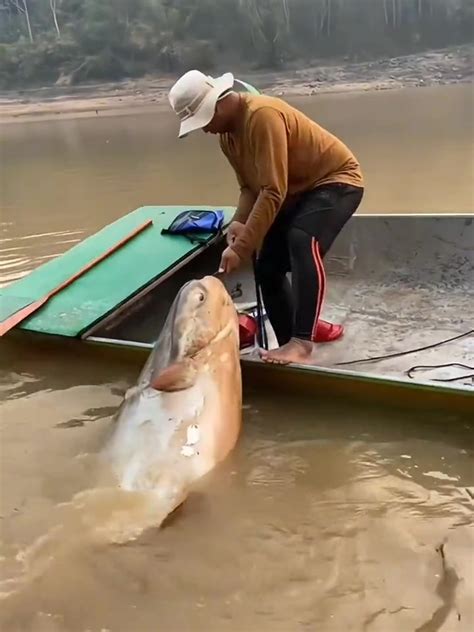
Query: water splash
92,519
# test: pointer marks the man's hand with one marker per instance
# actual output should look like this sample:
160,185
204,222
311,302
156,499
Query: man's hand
235,230
230,261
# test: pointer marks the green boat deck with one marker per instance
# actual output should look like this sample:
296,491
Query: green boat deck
144,260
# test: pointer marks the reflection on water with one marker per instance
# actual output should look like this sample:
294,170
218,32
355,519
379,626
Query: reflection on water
325,517
23,256
69,178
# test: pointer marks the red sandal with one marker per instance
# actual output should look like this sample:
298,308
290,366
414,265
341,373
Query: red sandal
327,332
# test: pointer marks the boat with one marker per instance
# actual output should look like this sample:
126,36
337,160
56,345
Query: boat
402,286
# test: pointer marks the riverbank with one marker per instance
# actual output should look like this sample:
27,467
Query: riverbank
440,67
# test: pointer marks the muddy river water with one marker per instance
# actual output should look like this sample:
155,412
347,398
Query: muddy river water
328,516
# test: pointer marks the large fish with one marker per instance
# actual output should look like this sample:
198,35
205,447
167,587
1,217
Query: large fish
184,415
181,419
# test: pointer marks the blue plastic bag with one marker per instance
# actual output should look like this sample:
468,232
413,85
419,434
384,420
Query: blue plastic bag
189,223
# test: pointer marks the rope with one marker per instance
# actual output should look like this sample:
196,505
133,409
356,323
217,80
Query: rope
402,353
443,366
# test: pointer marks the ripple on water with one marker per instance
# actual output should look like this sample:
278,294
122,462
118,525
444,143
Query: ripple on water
19,255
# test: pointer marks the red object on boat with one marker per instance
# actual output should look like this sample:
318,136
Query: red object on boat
327,332
248,327
247,330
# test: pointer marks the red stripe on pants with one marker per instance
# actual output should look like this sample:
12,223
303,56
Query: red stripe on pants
318,264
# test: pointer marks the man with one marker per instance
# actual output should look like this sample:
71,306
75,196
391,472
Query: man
299,185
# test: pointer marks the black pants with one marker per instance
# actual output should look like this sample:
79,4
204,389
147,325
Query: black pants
298,240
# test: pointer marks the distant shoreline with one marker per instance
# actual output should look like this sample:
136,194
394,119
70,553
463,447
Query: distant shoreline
439,67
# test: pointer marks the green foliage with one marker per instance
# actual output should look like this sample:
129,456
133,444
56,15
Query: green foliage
45,41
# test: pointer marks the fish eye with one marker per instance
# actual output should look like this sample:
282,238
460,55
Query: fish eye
201,297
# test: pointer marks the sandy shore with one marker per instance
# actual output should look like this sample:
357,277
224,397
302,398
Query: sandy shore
440,67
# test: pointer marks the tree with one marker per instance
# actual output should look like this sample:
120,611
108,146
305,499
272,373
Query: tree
77,40
53,6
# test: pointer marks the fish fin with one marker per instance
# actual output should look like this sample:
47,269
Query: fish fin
176,377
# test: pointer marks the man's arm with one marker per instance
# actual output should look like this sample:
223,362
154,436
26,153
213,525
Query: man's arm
246,197
270,148
246,202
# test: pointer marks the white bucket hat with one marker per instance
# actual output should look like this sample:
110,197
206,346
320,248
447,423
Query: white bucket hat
194,96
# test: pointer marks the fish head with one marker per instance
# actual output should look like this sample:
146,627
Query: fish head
201,315
204,312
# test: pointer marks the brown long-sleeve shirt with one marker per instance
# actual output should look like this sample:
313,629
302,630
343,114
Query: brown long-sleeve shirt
276,151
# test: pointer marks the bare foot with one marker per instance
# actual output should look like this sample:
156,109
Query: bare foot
295,351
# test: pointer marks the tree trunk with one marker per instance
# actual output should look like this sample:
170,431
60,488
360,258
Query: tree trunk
323,15
52,4
27,18
399,12
23,8
385,10
286,13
